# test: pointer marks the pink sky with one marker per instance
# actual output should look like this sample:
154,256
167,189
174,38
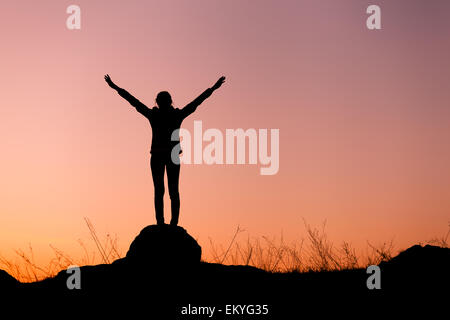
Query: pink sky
364,118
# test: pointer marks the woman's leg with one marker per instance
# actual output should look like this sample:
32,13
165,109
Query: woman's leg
157,166
173,175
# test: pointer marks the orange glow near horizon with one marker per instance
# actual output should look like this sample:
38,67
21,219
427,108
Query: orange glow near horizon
363,115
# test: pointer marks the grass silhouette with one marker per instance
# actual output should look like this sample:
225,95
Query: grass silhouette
25,269
315,252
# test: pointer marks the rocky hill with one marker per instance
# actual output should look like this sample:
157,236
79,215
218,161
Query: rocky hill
163,272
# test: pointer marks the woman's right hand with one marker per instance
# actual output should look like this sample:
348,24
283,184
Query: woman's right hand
218,83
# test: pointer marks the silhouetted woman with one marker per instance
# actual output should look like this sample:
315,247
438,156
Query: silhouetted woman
164,119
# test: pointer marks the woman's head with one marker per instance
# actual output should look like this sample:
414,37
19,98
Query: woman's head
163,99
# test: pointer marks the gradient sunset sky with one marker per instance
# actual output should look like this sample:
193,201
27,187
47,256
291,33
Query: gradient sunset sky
364,118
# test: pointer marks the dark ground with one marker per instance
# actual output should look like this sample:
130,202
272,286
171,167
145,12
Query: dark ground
162,273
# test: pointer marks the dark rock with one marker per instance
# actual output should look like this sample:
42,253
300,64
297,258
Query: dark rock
164,246
417,270
423,258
